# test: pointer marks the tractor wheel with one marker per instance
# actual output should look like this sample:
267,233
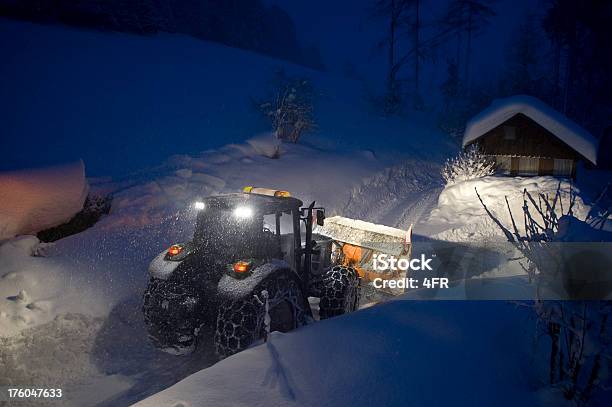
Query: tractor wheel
170,325
340,292
240,322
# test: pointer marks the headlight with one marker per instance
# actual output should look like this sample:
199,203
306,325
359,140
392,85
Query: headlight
243,212
199,205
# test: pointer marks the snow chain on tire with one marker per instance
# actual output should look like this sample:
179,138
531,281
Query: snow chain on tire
176,335
240,322
340,292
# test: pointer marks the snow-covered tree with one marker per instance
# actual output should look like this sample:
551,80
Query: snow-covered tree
290,107
469,164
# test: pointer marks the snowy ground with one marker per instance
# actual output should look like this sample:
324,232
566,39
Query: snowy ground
387,355
86,288
70,312
81,295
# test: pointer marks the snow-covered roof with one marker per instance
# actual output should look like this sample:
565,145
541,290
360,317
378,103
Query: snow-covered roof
562,127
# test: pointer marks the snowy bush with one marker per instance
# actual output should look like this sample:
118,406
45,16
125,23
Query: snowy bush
469,164
579,331
290,107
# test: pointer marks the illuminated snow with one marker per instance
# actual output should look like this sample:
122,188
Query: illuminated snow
36,199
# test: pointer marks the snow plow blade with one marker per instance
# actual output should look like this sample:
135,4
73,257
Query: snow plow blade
356,243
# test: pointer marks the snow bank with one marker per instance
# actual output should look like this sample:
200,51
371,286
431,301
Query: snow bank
34,289
176,184
503,109
267,145
37,199
460,212
398,353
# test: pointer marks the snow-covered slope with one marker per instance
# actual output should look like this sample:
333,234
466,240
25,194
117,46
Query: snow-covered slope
396,354
123,102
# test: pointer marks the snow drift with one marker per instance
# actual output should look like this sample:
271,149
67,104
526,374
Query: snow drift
327,364
462,216
267,145
36,199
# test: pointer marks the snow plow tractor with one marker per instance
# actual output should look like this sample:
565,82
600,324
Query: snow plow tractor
250,268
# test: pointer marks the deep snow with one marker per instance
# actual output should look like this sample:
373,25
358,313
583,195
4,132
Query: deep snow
459,215
395,354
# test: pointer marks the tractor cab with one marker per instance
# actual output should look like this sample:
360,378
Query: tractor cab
259,224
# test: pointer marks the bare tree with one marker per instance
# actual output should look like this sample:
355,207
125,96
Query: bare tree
522,73
579,331
394,12
469,16
290,107
404,19
419,53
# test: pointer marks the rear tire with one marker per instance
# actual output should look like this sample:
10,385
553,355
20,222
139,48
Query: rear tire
240,322
340,292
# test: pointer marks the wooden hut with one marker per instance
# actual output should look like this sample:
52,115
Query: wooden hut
527,137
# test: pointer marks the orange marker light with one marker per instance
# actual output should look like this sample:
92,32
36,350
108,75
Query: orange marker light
174,250
282,194
242,267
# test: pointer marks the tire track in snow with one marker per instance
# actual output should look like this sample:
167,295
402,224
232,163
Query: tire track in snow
398,195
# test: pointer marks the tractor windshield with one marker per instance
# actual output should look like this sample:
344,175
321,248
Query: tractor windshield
236,233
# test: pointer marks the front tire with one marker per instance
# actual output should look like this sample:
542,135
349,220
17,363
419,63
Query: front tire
340,292
240,321
169,318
